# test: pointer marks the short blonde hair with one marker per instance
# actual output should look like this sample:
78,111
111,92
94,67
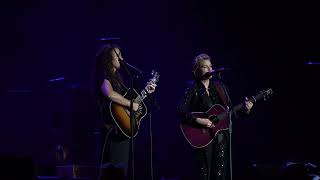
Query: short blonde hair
196,62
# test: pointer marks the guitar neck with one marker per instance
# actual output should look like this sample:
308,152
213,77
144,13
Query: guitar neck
253,99
141,96
144,93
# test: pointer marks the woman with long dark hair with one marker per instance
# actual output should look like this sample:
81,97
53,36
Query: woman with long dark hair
111,87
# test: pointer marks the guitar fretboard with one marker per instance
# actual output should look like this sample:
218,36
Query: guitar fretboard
141,96
253,99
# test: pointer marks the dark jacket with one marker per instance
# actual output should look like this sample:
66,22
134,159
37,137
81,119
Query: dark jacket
195,99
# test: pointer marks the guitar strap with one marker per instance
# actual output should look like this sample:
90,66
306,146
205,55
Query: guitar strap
221,93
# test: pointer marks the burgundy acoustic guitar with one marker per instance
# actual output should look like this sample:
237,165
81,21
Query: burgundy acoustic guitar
199,136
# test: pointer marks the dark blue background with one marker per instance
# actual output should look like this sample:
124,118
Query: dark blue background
265,43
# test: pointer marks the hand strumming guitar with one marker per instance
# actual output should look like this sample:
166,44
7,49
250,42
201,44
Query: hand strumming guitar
135,106
205,122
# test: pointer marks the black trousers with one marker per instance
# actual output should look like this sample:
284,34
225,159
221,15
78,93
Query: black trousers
213,160
115,155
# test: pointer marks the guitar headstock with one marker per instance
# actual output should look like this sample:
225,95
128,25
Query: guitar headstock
155,77
153,80
266,93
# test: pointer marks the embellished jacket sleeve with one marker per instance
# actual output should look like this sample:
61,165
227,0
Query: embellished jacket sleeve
184,108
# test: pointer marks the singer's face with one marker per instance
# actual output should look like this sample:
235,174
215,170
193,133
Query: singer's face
205,66
116,58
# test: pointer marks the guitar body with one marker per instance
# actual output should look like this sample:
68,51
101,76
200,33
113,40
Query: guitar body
199,136
121,114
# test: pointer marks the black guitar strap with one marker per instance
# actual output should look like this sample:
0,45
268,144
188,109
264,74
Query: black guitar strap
221,93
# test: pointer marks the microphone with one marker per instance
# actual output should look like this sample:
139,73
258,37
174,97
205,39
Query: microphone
220,70
215,72
109,39
125,64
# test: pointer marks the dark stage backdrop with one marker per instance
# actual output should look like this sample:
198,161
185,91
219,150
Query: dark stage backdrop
267,45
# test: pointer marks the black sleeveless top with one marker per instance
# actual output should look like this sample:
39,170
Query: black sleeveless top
103,101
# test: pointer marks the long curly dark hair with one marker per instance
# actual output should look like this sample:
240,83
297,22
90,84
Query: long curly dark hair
104,65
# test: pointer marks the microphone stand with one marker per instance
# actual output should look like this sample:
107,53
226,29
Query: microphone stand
131,154
136,69
156,107
231,111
